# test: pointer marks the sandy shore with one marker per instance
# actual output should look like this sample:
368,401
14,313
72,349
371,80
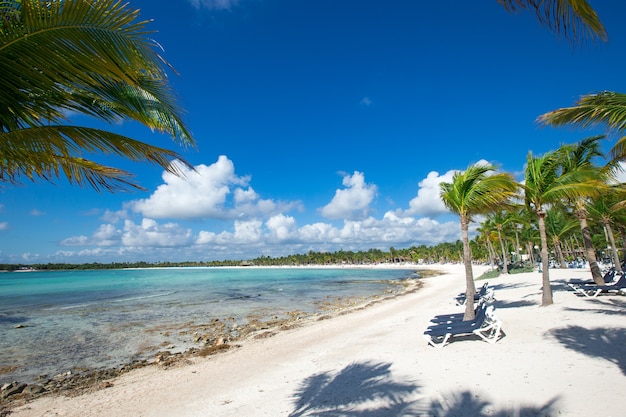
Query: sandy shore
568,359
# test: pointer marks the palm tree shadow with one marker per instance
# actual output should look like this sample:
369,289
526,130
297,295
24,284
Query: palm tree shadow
468,404
368,390
609,344
360,389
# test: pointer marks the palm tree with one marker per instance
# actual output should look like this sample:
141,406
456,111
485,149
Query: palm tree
545,183
575,19
477,190
558,225
607,209
497,221
578,158
94,58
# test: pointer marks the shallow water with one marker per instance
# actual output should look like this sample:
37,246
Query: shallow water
53,322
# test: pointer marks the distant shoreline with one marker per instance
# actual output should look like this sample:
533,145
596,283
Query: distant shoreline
390,266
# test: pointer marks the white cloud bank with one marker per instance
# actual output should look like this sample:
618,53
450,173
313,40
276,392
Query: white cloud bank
177,221
209,192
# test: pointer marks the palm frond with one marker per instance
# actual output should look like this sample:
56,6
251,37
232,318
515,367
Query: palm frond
56,53
590,110
49,151
574,19
477,191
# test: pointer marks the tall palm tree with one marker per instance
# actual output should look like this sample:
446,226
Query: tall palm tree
497,219
575,19
477,190
559,224
578,158
90,57
545,183
607,209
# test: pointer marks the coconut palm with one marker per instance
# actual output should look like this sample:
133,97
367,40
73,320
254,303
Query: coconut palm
579,158
477,190
58,58
497,221
609,209
559,224
485,237
546,183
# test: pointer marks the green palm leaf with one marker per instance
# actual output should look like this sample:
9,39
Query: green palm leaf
59,57
607,108
575,19
46,152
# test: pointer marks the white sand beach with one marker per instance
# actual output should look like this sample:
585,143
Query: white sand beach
568,359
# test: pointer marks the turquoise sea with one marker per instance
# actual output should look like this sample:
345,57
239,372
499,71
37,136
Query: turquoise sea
55,322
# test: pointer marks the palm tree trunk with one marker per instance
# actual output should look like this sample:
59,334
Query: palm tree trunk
505,268
492,253
616,260
546,298
559,253
590,253
517,246
470,287
531,252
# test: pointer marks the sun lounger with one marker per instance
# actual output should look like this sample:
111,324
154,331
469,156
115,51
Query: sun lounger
486,326
456,317
609,277
592,290
483,292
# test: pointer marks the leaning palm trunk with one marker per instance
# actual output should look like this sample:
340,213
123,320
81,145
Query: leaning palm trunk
531,252
546,298
492,254
616,260
505,267
470,287
590,253
559,252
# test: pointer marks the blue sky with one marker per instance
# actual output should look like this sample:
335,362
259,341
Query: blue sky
321,125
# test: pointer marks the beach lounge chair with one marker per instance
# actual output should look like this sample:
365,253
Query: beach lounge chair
486,326
457,317
609,277
483,292
592,290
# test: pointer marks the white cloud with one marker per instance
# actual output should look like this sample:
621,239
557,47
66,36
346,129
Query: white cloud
281,228
427,202
4,225
366,101
81,240
248,231
149,233
111,216
107,235
214,4
208,192
621,174
36,212
352,202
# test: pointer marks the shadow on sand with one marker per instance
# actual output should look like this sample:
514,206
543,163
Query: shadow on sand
609,344
369,390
